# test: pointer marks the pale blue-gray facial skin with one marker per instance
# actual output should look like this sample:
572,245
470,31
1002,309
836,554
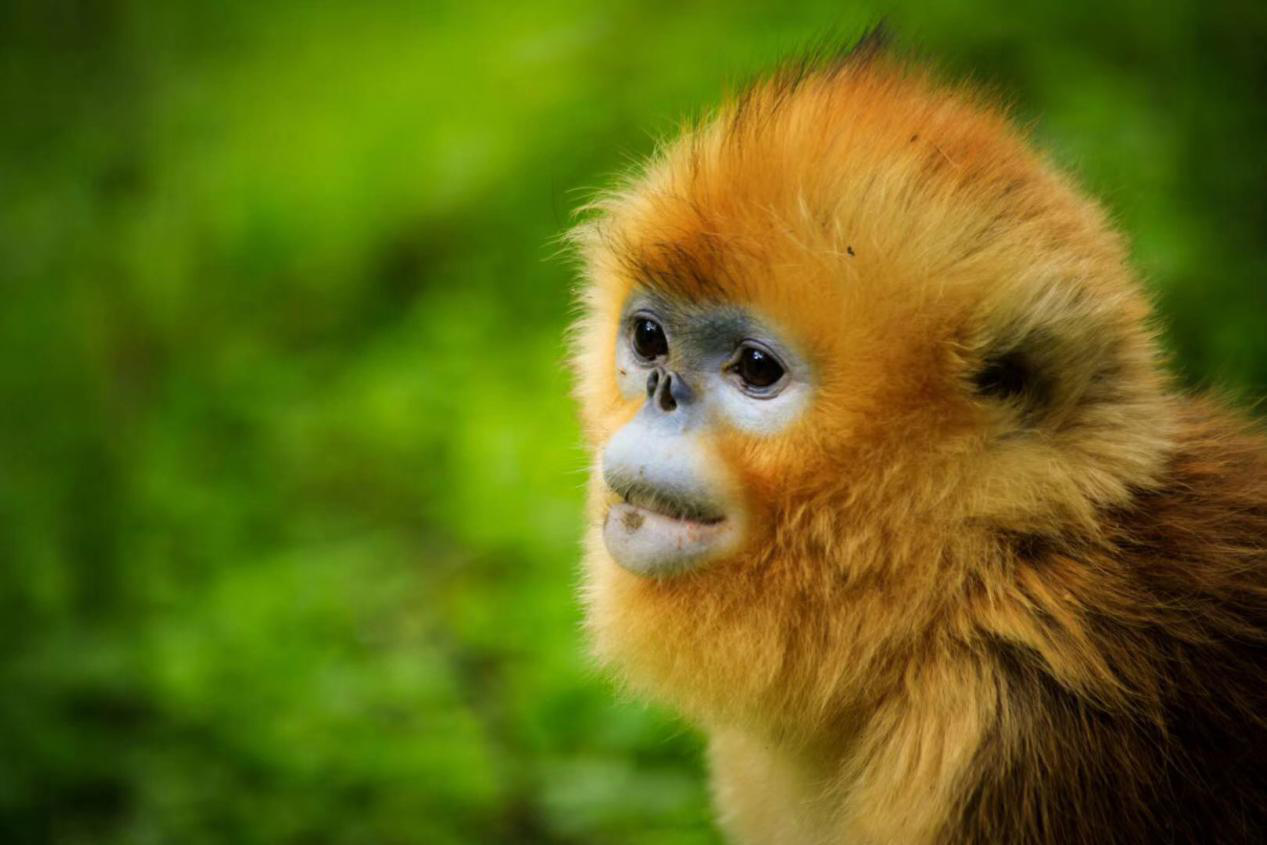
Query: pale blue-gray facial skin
680,509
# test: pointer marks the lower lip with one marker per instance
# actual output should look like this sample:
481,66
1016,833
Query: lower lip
653,544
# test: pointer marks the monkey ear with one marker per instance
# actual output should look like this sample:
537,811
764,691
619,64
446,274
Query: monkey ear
1047,350
1004,376
1023,374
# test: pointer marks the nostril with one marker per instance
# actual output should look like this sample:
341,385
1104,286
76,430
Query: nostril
653,381
666,400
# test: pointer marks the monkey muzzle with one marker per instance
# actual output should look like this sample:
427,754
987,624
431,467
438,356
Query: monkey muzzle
671,512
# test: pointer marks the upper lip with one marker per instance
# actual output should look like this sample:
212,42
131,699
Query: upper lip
666,502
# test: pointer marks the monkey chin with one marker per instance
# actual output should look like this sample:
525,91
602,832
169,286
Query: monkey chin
656,544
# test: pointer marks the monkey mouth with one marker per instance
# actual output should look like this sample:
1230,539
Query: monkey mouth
667,504
657,534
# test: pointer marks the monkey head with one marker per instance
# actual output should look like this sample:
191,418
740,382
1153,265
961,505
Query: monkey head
840,343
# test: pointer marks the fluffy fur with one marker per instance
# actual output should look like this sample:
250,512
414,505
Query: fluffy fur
1003,583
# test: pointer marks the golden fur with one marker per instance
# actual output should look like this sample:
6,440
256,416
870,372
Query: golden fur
958,617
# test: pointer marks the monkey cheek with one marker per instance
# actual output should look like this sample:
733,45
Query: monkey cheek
656,545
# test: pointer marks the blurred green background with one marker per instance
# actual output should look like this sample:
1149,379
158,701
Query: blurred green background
290,482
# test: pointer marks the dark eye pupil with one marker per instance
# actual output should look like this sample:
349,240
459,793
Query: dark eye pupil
649,340
759,369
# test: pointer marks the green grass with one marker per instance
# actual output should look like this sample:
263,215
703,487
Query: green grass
290,482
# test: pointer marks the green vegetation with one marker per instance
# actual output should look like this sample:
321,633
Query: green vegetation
290,481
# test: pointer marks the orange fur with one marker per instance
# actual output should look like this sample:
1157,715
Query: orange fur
955,619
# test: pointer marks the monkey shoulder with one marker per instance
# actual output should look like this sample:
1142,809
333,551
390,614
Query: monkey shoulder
1174,606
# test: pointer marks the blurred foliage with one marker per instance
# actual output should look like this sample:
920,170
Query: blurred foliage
290,481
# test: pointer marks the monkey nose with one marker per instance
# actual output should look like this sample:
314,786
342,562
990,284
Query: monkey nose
667,390
653,381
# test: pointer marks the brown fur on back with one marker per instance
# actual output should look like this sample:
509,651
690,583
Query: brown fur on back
1176,609
958,618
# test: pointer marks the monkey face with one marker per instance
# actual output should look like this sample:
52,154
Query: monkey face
694,372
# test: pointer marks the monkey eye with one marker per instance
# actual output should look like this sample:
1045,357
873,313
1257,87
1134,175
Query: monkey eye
648,339
757,368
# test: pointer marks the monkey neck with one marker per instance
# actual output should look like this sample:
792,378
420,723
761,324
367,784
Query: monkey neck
890,771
